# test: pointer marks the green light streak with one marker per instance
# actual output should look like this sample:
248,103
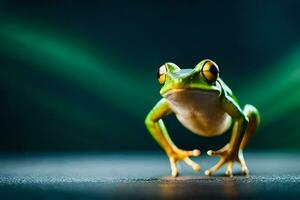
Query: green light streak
74,62
276,90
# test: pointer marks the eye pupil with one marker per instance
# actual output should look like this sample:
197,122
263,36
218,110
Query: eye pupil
214,70
158,74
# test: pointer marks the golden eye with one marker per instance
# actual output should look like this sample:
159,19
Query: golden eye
161,74
210,71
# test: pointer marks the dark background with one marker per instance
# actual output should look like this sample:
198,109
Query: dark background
81,76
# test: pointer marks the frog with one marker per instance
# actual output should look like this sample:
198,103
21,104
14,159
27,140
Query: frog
205,105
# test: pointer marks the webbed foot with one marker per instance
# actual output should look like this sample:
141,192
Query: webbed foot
178,155
227,156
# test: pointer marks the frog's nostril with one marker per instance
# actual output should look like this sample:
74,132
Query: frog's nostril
178,83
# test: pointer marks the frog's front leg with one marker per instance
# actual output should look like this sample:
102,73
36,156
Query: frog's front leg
159,132
245,124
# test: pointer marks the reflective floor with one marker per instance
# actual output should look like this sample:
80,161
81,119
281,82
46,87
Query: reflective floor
144,175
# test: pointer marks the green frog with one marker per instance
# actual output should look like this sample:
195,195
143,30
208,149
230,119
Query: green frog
206,106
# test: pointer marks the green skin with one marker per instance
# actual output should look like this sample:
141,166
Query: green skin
184,92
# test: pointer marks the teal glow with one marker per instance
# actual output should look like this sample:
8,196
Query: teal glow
276,88
70,59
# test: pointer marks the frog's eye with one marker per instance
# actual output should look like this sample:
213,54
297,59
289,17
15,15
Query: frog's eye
210,71
161,74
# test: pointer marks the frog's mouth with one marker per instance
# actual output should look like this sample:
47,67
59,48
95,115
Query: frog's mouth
172,92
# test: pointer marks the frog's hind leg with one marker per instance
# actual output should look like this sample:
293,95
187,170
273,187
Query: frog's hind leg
253,121
252,116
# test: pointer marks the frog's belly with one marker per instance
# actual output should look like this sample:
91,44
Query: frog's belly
199,111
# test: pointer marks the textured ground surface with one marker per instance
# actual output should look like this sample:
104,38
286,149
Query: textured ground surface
143,175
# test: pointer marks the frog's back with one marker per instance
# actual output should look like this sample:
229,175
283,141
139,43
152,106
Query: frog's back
200,111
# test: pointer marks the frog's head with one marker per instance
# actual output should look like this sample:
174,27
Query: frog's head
203,77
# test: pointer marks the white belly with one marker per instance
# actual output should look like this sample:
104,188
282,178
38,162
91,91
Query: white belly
199,111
